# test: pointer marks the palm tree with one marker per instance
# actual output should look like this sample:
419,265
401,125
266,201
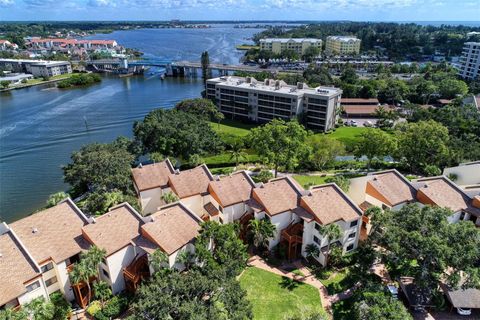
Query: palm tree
169,197
312,251
87,268
40,309
330,232
261,231
237,151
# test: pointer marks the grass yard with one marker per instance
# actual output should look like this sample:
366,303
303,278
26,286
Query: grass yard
274,297
224,159
348,135
339,281
307,180
232,128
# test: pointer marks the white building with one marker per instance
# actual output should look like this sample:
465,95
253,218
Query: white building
299,45
469,65
38,68
251,100
465,173
342,45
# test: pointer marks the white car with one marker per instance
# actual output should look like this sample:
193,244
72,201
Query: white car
464,312
368,124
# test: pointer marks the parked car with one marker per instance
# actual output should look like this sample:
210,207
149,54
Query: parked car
464,312
393,290
368,124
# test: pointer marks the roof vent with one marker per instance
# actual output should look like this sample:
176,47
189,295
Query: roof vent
93,220
34,230
140,165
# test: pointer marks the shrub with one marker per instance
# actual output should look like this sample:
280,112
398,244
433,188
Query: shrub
94,308
452,176
432,170
115,306
62,308
263,176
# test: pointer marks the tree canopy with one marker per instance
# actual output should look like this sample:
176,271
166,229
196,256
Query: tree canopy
280,143
380,306
175,133
424,245
204,108
374,143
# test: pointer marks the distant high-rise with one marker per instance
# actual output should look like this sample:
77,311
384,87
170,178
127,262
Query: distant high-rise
299,45
469,67
342,45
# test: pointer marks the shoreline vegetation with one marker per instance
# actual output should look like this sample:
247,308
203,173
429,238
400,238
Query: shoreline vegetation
37,82
79,80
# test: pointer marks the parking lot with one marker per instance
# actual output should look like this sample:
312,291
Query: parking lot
361,121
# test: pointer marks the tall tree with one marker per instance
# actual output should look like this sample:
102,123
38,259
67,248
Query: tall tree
423,143
379,306
330,232
280,143
56,198
40,309
204,108
374,143
324,151
423,244
237,151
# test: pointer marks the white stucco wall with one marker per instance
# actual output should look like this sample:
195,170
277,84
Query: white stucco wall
466,174
172,259
281,221
195,203
39,292
115,264
357,188
64,281
234,212
151,200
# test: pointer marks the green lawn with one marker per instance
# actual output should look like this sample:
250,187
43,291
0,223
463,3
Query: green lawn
223,159
231,127
273,297
348,135
307,180
339,281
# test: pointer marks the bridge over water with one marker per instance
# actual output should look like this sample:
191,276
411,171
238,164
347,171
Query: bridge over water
176,68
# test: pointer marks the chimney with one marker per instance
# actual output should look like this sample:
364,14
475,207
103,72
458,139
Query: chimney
300,85
277,84
248,79
267,82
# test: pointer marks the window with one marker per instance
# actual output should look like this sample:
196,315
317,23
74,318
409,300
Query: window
352,235
33,286
462,216
350,247
317,227
353,223
316,240
51,281
105,273
47,267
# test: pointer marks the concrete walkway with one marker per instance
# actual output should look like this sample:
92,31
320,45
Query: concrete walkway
307,277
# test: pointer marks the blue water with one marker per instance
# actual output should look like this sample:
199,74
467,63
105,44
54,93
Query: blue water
40,126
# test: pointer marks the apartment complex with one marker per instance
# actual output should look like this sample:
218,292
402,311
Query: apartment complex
38,252
299,45
343,45
37,68
247,99
51,44
469,66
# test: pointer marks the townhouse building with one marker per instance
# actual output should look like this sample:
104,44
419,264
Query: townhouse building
342,45
391,190
20,275
38,68
299,45
247,99
51,44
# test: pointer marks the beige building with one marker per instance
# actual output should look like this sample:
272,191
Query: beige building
343,45
278,45
252,100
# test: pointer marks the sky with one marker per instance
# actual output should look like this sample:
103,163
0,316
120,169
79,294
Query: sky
355,10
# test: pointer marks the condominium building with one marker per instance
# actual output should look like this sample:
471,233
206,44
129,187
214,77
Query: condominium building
342,45
279,45
38,68
469,67
251,100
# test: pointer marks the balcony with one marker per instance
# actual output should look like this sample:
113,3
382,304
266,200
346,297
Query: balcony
136,272
292,237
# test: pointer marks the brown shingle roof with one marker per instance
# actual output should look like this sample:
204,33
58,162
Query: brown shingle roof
115,229
54,233
393,187
232,189
358,101
444,193
278,195
16,268
152,175
358,109
172,227
329,204
191,182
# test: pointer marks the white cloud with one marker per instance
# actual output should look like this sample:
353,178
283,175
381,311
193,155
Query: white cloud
343,4
101,3
6,3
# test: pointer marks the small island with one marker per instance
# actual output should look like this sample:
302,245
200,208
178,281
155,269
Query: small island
78,80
